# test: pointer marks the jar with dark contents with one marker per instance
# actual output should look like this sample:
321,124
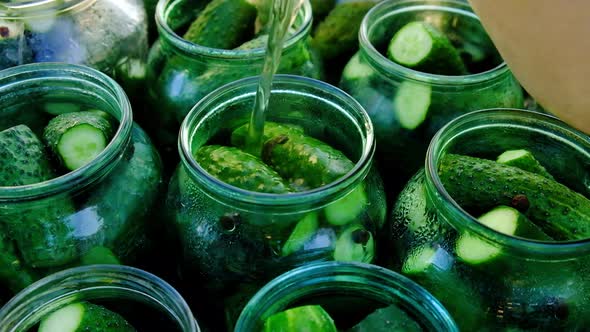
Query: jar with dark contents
233,240
408,105
108,35
78,179
496,225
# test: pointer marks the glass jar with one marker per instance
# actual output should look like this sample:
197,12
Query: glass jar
348,292
147,302
385,88
533,285
234,240
180,73
97,213
108,35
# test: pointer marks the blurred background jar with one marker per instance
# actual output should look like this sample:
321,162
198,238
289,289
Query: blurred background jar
349,292
180,72
232,241
108,35
387,89
518,284
100,212
145,301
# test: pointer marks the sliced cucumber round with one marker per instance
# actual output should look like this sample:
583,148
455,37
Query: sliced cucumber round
84,317
355,244
525,160
303,232
76,138
348,208
305,318
474,250
80,145
411,104
65,319
411,44
357,70
421,46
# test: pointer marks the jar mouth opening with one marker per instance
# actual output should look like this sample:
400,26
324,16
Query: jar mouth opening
58,286
303,22
17,77
40,8
461,218
207,107
298,283
395,8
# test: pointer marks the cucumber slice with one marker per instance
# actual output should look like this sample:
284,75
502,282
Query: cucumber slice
480,184
422,259
80,145
76,138
473,249
305,318
390,318
421,46
411,104
525,160
355,245
348,208
84,317
99,255
357,70
302,233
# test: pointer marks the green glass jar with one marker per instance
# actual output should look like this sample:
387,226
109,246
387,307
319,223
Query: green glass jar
147,302
233,240
108,35
348,292
181,73
387,89
517,283
98,212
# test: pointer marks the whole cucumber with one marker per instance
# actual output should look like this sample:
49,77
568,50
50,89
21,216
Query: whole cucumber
223,24
238,168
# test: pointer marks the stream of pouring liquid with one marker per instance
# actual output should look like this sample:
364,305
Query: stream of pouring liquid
546,44
283,14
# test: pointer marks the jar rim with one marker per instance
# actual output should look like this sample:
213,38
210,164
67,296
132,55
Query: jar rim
389,283
40,8
461,218
30,296
192,49
396,7
31,73
202,110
